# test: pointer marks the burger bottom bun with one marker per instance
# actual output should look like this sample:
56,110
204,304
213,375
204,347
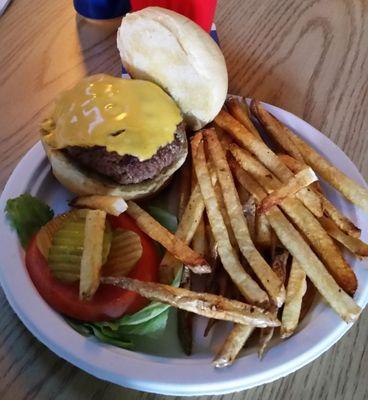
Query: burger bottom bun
83,182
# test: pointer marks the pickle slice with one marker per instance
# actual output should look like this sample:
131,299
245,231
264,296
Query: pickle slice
61,241
69,277
126,250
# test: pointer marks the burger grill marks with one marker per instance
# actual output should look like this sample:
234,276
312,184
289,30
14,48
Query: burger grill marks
127,169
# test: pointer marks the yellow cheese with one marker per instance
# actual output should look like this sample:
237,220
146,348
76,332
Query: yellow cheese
132,117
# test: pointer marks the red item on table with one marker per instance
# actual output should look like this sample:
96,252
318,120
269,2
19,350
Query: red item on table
200,11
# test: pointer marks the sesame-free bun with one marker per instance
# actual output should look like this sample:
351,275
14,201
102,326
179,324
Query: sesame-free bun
169,49
83,182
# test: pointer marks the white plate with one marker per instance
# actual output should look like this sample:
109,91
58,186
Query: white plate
175,374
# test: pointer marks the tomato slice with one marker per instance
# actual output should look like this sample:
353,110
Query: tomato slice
109,302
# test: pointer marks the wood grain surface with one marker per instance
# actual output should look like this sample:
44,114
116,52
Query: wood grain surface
309,57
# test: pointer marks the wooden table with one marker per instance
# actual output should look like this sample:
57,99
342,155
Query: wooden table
309,57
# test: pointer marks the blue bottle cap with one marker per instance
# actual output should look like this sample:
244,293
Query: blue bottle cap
102,9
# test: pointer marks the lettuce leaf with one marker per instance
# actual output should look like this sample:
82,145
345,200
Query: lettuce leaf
27,215
149,321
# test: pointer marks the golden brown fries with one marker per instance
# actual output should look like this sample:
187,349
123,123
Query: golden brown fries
354,192
263,231
188,225
301,179
114,205
305,221
292,240
279,267
249,209
199,241
239,110
92,254
247,286
225,215
325,284
232,345
185,183
219,285
205,304
275,129
353,244
267,157
175,246
296,288
238,222
329,209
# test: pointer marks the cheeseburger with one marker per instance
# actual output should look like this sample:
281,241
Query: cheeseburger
127,137
116,136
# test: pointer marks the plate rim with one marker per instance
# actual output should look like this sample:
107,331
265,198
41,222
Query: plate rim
175,388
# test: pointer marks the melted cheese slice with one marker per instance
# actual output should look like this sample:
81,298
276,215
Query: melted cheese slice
132,117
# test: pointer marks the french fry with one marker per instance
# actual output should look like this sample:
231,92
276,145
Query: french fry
263,231
239,110
301,179
220,287
329,209
353,244
199,241
225,215
224,138
275,129
175,246
247,286
292,240
212,252
242,135
305,221
279,267
247,180
249,209
295,291
205,304
232,345
188,225
238,221
114,205
354,192
279,263
308,300
184,187
92,254
185,318
257,147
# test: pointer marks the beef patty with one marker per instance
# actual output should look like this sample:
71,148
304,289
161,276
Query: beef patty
127,169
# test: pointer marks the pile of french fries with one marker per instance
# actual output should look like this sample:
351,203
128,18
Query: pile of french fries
256,223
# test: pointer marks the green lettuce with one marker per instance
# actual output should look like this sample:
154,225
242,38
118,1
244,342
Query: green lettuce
27,215
122,332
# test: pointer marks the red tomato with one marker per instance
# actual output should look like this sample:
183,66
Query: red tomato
109,302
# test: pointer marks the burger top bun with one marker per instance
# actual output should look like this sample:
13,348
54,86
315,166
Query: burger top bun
169,49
